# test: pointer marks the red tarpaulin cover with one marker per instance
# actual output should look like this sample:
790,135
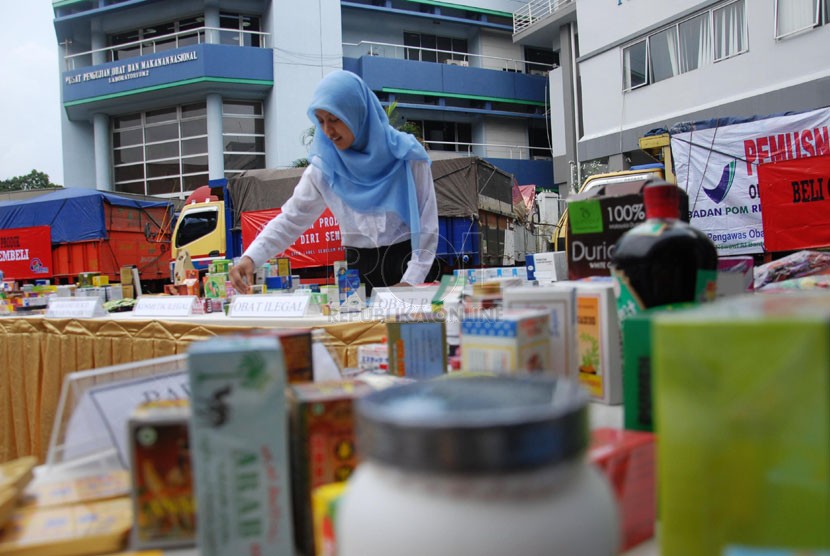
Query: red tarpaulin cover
795,203
26,253
317,246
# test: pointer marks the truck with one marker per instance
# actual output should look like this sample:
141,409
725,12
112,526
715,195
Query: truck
66,232
475,210
716,161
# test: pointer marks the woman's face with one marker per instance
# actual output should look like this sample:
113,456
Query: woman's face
334,128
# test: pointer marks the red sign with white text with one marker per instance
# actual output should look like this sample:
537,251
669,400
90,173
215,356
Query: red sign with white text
795,203
26,253
317,246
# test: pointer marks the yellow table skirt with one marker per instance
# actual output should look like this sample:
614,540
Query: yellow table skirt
37,353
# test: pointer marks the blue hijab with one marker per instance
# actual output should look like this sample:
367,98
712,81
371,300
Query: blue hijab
373,175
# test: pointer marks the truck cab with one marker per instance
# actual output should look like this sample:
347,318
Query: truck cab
201,229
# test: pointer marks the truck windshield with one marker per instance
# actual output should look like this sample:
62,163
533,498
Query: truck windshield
196,224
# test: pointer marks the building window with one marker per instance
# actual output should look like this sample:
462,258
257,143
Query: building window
243,136
156,38
710,36
239,30
161,152
635,65
729,26
446,136
432,48
695,43
539,142
793,16
540,62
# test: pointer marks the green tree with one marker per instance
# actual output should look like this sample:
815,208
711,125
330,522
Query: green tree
33,180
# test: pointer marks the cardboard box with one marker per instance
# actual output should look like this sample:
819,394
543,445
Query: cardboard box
742,400
239,434
627,460
560,302
599,340
85,279
127,275
215,284
518,341
638,398
297,350
322,445
164,507
417,346
219,266
547,267
596,220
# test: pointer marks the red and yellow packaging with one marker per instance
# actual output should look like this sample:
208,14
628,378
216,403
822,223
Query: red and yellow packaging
163,500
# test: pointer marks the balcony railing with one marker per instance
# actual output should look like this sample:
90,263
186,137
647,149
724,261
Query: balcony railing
403,52
161,43
535,10
491,150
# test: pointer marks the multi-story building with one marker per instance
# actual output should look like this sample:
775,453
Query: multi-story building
629,66
161,96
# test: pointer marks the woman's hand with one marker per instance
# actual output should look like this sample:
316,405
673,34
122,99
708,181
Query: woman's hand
242,275
401,285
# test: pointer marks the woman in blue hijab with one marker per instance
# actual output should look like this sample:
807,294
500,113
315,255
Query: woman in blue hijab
376,181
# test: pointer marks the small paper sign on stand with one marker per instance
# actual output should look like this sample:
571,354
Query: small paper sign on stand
75,307
278,305
396,301
165,305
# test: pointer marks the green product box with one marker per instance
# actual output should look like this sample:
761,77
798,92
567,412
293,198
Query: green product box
742,399
219,266
239,446
215,285
638,406
637,387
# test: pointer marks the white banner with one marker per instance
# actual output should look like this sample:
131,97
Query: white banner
717,167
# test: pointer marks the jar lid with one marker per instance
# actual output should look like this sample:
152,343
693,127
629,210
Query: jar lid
474,424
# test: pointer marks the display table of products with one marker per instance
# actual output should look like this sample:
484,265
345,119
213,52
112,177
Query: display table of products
46,477
36,353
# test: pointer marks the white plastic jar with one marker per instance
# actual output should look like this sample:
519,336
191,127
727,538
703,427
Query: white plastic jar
477,466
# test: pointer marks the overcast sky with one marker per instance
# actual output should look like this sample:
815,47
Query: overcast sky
30,111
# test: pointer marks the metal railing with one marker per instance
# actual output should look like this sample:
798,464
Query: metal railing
535,10
492,150
162,43
452,57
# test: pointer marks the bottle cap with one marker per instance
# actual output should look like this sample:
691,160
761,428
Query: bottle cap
474,424
661,199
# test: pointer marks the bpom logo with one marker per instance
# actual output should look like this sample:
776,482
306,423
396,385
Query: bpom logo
720,191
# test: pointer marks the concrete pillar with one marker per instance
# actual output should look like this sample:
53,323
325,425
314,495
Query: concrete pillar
212,22
103,152
98,40
216,145
618,163
570,100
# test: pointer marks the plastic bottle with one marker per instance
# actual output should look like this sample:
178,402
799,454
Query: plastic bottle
484,466
663,260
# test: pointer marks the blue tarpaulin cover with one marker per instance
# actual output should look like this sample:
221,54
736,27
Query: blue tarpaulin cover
74,214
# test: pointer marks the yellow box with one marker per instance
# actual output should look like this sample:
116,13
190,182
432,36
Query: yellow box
100,280
127,275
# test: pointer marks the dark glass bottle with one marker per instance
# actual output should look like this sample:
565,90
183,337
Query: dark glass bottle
664,260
